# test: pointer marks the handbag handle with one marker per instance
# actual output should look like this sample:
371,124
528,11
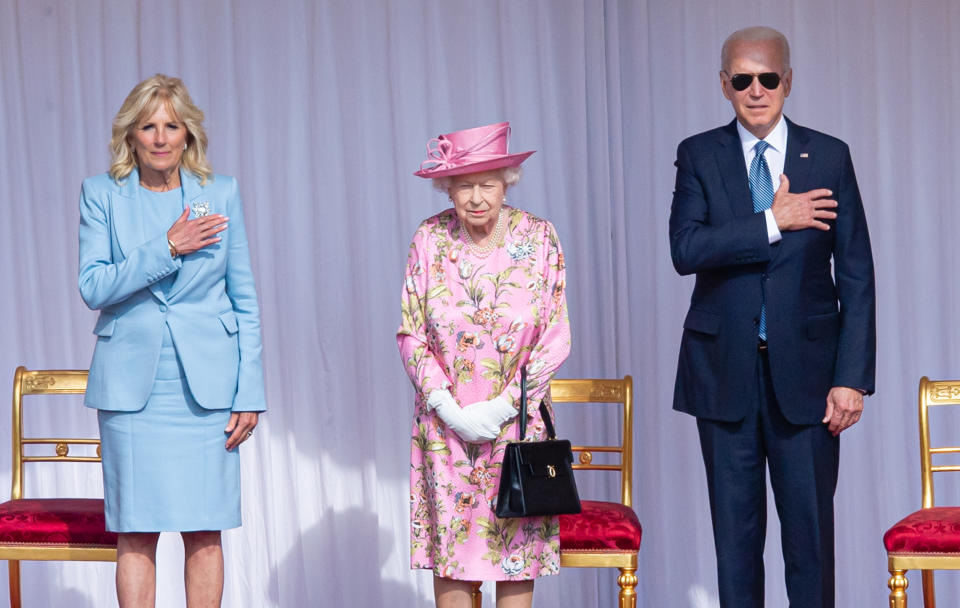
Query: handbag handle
547,422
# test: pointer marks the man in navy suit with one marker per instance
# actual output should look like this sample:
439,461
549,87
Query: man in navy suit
779,344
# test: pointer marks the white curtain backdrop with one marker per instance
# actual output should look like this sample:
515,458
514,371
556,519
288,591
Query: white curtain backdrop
322,110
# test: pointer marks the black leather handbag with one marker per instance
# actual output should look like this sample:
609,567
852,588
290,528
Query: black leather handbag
537,476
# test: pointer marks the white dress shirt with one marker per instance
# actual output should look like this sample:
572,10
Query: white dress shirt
775,155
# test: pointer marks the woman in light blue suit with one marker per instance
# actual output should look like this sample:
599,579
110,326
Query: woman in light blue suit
176,373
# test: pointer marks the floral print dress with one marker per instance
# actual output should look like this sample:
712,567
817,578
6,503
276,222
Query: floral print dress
468,324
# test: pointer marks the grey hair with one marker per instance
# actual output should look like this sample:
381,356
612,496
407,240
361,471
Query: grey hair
758,33
508,175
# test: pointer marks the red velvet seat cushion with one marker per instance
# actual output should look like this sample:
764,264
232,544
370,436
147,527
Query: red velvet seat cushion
934,530
55,521
600,526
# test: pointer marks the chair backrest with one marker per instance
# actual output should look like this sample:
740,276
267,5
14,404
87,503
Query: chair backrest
601,391
934,393
44,382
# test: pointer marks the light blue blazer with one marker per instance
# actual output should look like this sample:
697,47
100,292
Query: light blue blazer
211,307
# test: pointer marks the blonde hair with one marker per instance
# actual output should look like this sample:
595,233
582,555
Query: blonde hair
141,103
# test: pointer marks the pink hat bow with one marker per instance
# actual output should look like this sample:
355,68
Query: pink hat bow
470,151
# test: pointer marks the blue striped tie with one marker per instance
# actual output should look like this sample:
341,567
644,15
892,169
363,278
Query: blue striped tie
761,188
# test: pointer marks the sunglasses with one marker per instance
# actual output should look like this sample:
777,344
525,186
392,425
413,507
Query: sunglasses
741,82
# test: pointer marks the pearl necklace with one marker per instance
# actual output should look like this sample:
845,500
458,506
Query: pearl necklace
482,252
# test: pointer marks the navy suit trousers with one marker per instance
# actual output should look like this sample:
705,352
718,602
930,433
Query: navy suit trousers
803,461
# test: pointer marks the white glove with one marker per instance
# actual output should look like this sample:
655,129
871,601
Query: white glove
493,413
463,423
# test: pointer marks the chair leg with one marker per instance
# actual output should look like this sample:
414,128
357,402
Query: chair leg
476,596
13,567
898,588
929,596
628,587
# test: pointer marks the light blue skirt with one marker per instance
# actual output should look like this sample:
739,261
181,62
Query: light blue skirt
165,467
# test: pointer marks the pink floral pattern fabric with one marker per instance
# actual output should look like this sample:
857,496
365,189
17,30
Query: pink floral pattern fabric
468,324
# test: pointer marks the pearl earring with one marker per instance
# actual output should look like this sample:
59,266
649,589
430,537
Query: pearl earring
184,146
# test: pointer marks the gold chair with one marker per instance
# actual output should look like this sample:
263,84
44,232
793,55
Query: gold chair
604,534
928,539
49,529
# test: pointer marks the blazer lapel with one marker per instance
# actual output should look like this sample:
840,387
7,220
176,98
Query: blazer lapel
733,170
796,166
799,157
193,198
128,221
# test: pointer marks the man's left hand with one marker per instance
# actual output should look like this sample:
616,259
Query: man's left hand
844,406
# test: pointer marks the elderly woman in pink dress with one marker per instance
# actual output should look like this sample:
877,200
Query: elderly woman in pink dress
483,297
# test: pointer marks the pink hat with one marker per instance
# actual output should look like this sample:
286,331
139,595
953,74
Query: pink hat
470,151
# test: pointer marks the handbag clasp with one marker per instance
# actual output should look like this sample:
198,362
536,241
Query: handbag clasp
551,470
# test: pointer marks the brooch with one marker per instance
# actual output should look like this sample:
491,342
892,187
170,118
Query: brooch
519,251
201,209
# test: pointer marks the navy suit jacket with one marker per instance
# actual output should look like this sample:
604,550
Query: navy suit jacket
818,285
211,307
